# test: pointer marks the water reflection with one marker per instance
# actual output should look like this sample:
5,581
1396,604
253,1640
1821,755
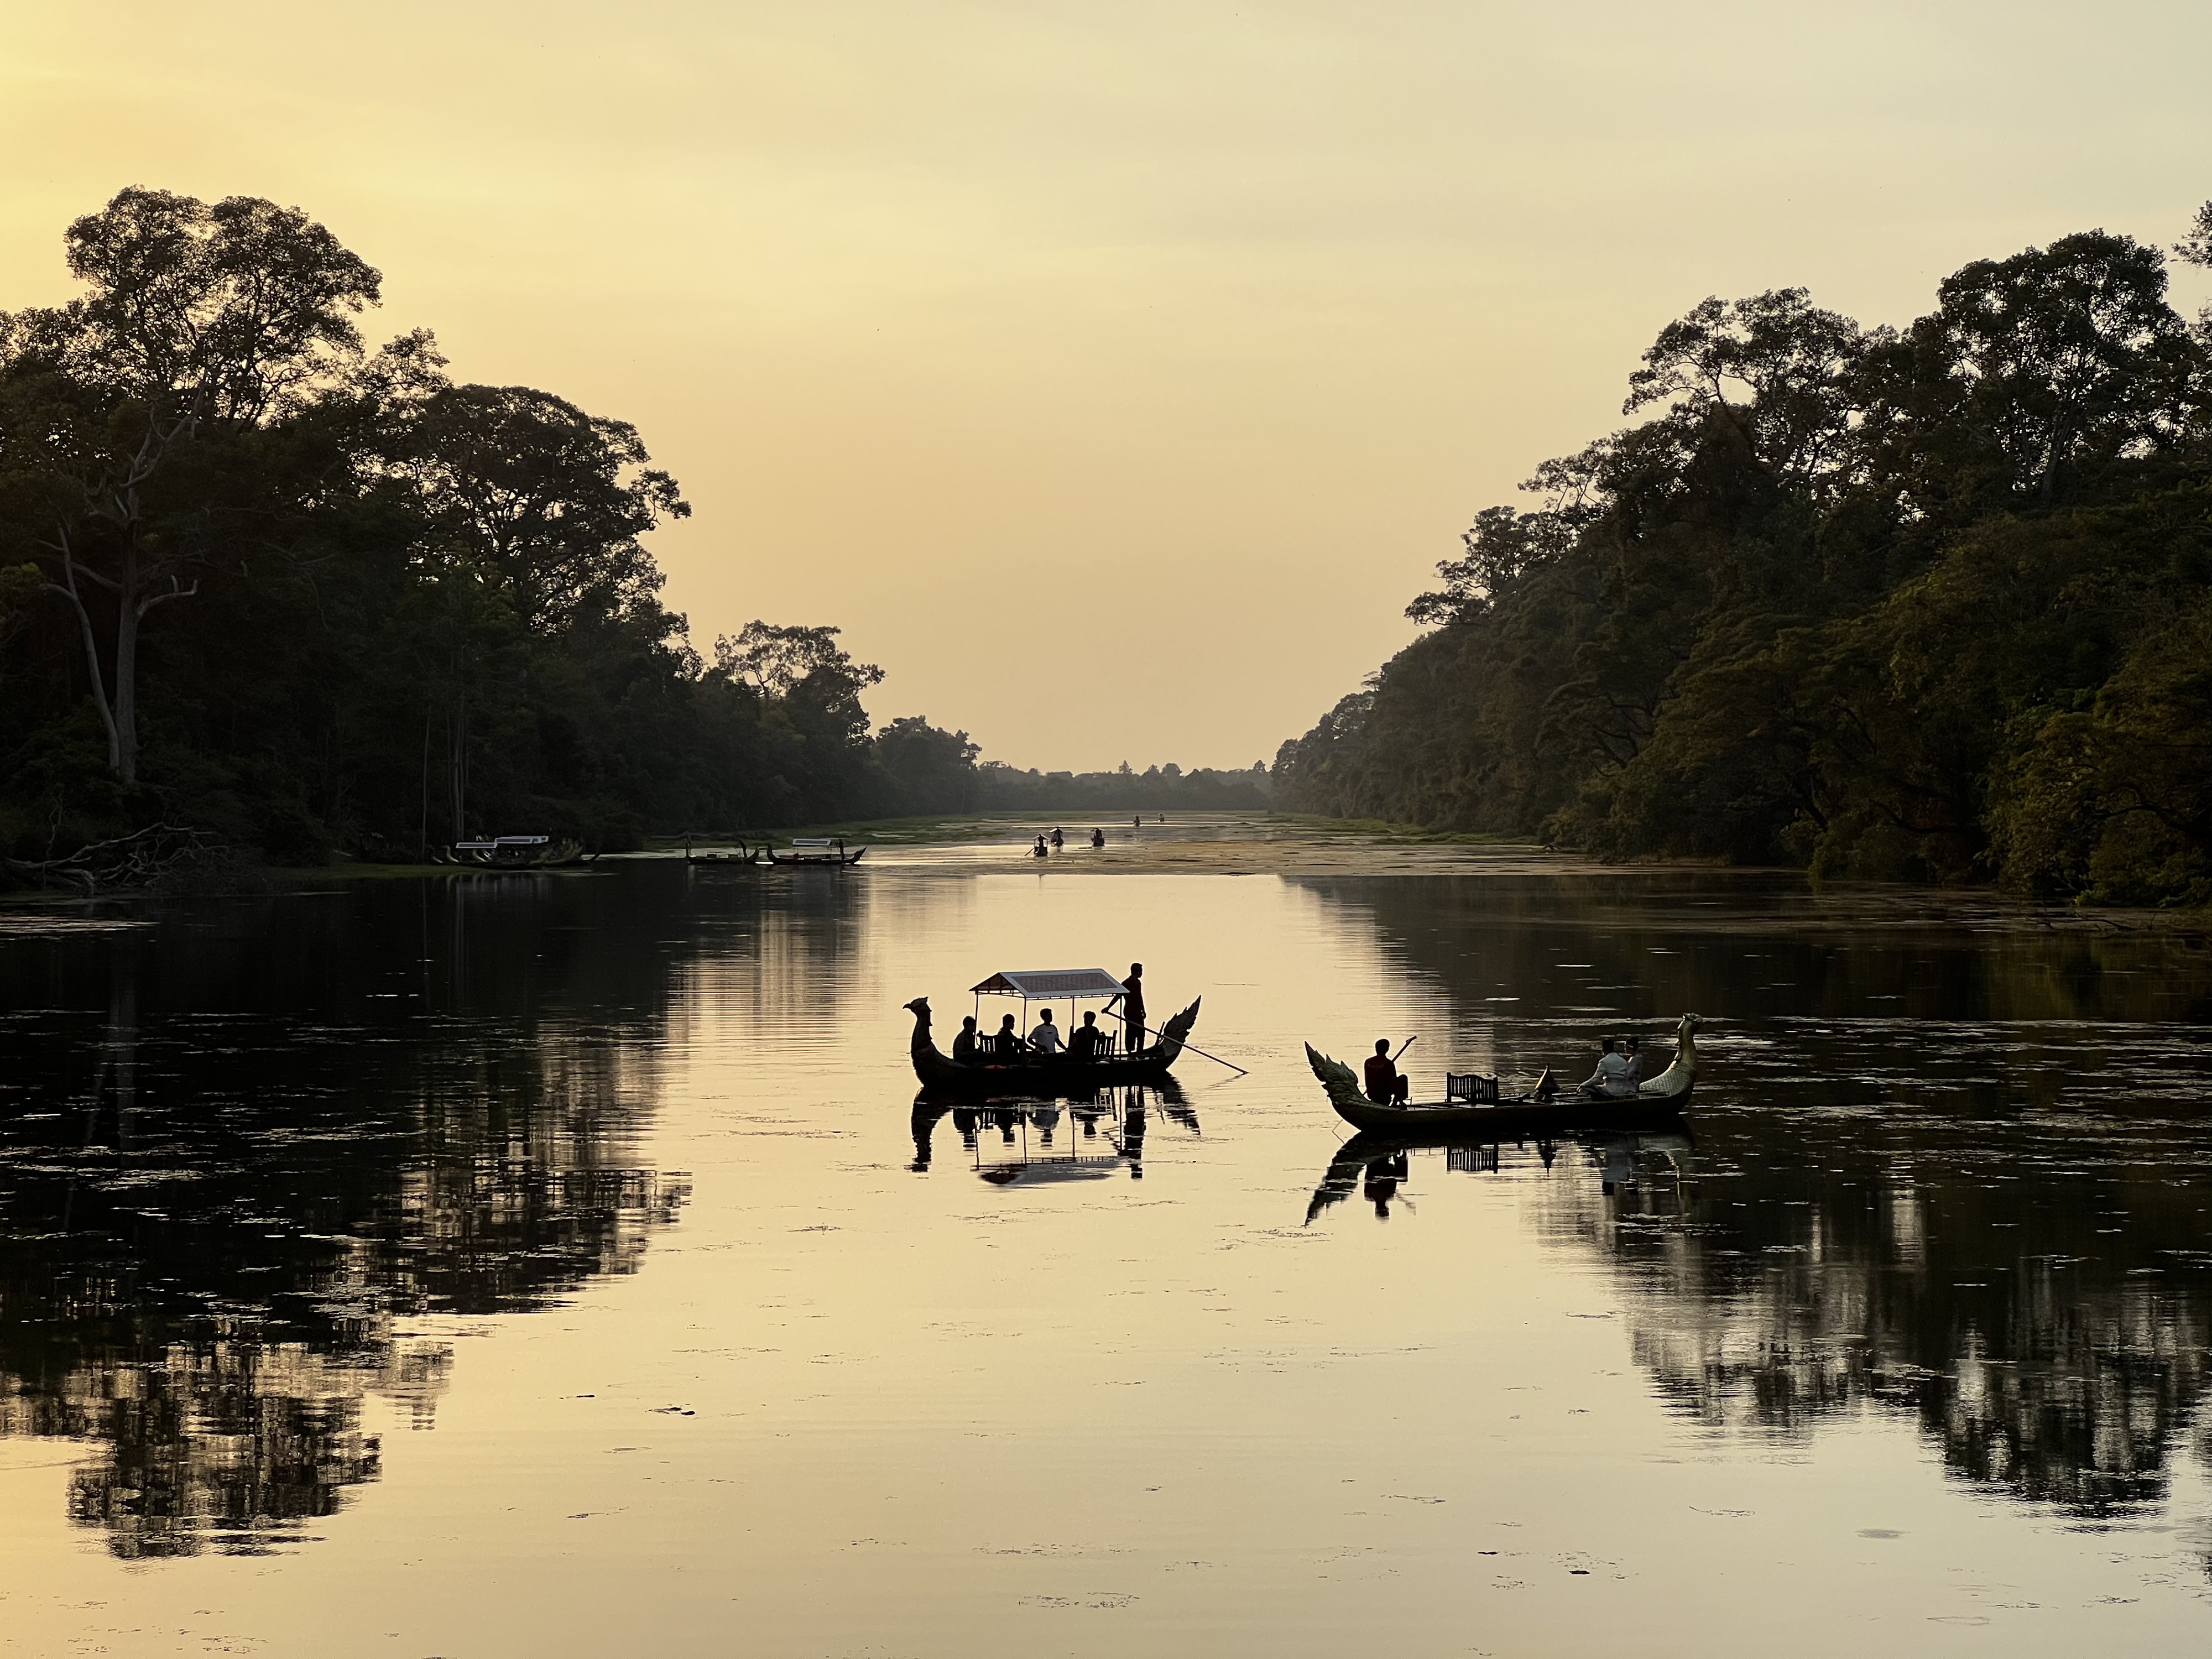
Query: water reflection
219,1208
1076,1136
1960,1178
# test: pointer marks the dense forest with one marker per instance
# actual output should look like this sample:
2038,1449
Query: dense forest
270,590
1929,603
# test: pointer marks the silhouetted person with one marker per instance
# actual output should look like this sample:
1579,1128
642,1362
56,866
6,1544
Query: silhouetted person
1610,1080
1132,1008
1007,1044
1057,841
965,1046
1040,851
1384,1086
1083,1041
1098,837
1044,1040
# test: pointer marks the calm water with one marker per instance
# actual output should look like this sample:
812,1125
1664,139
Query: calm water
559,1265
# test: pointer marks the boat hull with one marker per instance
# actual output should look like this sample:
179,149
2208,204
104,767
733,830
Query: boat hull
1050,1079
1512,1120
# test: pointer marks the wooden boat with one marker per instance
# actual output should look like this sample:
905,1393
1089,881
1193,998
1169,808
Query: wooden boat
1537,1115
746,857
514,853
1053,1077
826,851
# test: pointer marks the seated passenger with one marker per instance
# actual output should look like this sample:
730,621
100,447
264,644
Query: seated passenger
1044,1040
1611,1080
1084,1040
965,1048
1639,1068
1384,1086
1098,837
1007,1043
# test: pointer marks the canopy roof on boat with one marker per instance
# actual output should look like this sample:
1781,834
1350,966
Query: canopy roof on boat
1040,983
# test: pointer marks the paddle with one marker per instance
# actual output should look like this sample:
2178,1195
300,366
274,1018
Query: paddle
1193,1048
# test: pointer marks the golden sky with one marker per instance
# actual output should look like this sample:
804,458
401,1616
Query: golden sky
1113,373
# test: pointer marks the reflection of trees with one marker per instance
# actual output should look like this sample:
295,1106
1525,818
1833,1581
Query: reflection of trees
215,1211
1934,1173
2050,1360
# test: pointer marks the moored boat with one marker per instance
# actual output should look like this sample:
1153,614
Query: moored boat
514,853
816,850
1541,1113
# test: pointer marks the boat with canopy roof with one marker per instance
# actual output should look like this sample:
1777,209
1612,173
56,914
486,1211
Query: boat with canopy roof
1027,1072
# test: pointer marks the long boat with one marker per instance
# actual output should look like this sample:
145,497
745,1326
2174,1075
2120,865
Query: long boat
1659,1102
1058,1075
514,853
816,850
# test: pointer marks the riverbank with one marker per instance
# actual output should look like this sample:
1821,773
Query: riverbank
1257,844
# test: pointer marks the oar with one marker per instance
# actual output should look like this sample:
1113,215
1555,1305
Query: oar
1406,1044
1195,1049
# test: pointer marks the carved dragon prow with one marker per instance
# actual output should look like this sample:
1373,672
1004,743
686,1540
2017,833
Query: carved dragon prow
1175,1032
1676,1079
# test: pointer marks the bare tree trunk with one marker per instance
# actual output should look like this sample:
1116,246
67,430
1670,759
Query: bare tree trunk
128,612
460,764
134,587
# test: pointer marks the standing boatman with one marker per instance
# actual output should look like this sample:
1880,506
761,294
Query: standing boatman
1132,1008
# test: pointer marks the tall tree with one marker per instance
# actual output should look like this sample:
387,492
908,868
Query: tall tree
199,320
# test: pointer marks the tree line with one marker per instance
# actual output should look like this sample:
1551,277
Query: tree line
1928,603
262,583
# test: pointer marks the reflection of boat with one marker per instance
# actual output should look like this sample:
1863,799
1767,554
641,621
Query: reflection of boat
1038,1141
1534,1115
1374,1163
815,851
514,853
1058,1076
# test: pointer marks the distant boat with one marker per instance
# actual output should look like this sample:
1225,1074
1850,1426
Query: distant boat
747,856
1473,1104
816,850
514,853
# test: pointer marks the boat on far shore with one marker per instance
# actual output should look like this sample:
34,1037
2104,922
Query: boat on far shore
815,851
514,853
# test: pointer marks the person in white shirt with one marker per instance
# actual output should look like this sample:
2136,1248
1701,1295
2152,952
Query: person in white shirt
1045,1039
1612,1077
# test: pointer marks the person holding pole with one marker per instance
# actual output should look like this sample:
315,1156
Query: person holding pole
1385,1085
1132,1008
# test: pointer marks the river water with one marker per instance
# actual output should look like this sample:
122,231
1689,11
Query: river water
558,1264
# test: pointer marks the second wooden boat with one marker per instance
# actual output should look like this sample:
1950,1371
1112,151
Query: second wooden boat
1536,1114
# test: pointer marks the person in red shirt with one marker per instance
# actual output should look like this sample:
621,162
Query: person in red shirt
1384,1086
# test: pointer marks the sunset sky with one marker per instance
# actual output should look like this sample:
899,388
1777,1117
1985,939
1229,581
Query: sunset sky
1112,373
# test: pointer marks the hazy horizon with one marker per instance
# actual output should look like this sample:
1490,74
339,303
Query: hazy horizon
1112,379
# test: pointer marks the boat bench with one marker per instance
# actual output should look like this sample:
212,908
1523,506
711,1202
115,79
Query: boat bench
1471,1087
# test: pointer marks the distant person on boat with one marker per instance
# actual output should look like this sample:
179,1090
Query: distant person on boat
1132,1008
1040,851
1611,1079
1007,1044
965,1046
1045,1038
1058,841
1137,822
1083,1041
1385,1087
1098,837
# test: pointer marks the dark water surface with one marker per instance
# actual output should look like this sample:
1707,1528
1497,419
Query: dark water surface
559,1265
